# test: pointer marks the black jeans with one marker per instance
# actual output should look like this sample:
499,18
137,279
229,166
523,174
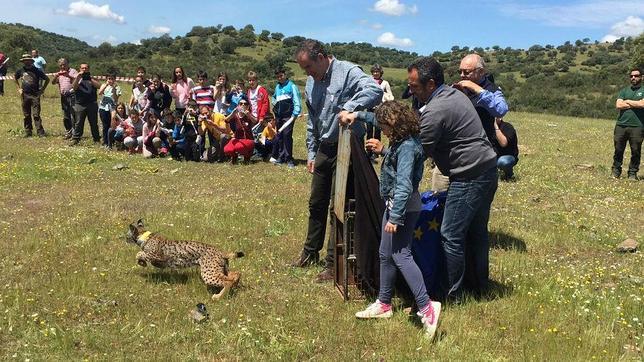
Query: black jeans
283,142
106,119
67,104
3,72
322,191
90,112
31,109
634,136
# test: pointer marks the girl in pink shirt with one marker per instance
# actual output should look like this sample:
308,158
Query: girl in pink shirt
180,89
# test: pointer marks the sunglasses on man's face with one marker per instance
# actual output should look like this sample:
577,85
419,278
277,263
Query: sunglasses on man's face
467,72
635,75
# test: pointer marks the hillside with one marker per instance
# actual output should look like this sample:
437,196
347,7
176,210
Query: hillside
577,78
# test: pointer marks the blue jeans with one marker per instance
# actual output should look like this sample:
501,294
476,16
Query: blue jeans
506,163
464,231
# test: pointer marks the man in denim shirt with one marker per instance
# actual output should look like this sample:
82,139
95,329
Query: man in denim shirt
334,89
452,135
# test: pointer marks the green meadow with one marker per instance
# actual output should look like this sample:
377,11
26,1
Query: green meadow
70,288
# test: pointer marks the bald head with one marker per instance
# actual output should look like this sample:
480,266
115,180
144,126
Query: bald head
472,68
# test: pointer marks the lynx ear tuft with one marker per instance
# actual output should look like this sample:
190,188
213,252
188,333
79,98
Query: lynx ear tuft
139,223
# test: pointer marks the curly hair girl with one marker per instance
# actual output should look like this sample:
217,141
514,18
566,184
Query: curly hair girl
402,120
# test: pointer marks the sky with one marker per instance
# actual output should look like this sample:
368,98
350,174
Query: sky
413,25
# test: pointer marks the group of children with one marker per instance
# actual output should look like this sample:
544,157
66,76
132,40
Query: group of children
209,123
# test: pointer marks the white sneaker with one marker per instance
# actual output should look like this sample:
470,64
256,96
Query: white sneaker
375,310
273,160
430,320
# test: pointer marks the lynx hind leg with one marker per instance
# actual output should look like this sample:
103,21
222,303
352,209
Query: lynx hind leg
230,281
141,259
213,273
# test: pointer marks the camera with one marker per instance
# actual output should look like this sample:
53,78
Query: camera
87,76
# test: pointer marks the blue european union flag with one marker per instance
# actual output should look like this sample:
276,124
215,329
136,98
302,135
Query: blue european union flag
426,245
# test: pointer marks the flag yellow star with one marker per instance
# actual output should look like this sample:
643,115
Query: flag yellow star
433,224
418,233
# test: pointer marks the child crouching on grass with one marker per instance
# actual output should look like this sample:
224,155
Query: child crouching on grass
133,132
402,170
153,136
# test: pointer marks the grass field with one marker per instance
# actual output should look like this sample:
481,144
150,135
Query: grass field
71,289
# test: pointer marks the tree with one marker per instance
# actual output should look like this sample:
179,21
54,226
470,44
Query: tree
277,36
185,44
229,30
276,60
293,41
105,50
19,40
246,37
228,45
264,35
637,59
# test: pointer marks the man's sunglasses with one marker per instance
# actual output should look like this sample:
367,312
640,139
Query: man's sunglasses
467,71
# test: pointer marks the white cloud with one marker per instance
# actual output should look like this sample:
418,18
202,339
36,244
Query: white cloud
376,26
390,39
394,8
632,26
593,13
88,10
154,29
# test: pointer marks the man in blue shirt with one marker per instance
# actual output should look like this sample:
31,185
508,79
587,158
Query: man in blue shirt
39,62
334,89
487,98
286,107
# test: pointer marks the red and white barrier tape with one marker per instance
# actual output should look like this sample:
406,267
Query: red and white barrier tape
100,77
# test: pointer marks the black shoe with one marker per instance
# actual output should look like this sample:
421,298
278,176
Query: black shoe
325,275
616,173
27,134
305,260
74,142
633,177
67,136
42,134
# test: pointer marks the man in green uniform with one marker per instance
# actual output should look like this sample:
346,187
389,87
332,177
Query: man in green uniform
630,104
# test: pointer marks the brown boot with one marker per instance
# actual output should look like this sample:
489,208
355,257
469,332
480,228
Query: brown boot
325,275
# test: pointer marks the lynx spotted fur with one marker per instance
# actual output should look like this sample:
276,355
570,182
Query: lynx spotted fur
162,252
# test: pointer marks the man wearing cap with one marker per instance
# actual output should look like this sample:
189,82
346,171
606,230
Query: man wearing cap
334,89
28,83
86,106
64,79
